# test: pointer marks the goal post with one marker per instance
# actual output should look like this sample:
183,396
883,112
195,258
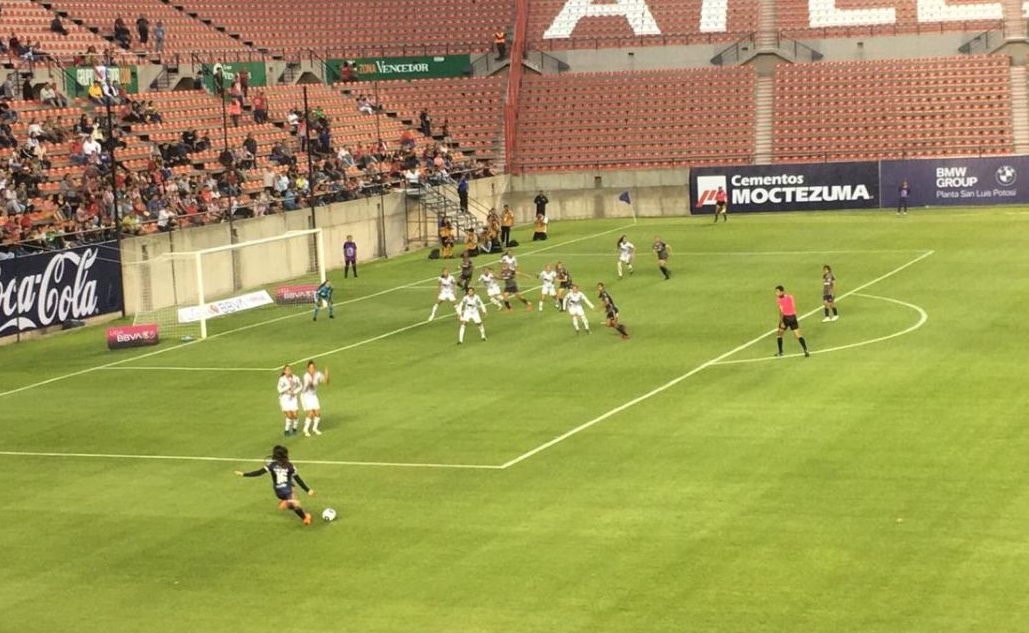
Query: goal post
182,292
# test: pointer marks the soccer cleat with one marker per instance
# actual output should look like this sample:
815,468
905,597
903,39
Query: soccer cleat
286,432
778,354
307,518
331,316
625,337
835,317
806,353
484,339
826,319
283,505
307,434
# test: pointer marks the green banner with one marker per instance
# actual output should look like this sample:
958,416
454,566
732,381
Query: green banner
78,79
258,73
383,68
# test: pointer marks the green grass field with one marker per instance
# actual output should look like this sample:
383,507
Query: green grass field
544,482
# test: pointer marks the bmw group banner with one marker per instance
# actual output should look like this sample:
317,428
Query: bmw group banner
808,187
957,181
46,289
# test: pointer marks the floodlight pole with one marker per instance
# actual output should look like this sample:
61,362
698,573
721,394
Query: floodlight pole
114,186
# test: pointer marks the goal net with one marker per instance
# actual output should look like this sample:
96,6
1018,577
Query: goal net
197,293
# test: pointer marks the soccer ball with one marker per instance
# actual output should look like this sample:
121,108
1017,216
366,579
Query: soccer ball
328,514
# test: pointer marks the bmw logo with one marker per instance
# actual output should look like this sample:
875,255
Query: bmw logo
1006,175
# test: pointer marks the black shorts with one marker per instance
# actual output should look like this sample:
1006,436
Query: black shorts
827,298
789,322
719,207
662,255
565,285
511,287
612,315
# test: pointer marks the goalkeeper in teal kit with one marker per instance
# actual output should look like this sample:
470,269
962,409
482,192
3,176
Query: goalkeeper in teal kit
323,297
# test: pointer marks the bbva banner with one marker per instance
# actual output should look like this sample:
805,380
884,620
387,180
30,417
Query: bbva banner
809,187
957,181
48,289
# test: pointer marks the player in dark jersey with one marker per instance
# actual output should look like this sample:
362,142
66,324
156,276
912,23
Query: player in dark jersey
564,284
611,310
661,250
829,294
283,475
467,269
323,296
510,277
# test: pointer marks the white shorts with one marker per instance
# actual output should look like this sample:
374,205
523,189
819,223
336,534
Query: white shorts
446,295
625,258
549,290
288,404
310,402
471,315
575,311
493,291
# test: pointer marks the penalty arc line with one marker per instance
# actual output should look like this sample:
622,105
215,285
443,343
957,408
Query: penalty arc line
42,383
923,316
201,458
696,370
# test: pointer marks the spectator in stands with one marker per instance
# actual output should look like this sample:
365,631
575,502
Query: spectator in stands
243,76
143,29
7,135
121,33
219,80
260,107
235,111
7,88
425,122
48,95
462,192
500,41
364,105
235,90
541,202
57,27
110,93
250,144
444,129
96,93
150,113
159,35
27,93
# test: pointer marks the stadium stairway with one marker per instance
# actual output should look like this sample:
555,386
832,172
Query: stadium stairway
1014,21
1020,109
764,98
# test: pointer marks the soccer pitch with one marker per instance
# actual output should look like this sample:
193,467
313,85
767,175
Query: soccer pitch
683,480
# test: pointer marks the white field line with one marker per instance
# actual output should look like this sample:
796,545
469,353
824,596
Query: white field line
696,370
173,368
201,458
122,361
614,254
923,316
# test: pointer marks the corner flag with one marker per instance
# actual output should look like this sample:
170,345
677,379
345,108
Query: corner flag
624,197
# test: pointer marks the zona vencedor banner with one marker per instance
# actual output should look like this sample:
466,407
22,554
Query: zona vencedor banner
385,68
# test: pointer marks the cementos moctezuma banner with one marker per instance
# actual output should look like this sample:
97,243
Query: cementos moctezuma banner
49,289
810,187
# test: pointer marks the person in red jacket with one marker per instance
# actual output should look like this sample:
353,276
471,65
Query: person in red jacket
720,205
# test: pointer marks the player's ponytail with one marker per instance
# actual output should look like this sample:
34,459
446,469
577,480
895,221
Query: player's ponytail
620,240
280,454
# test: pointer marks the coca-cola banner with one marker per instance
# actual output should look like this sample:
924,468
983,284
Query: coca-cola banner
132,336
47,289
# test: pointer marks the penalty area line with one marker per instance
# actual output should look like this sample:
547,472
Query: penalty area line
203,458
696,370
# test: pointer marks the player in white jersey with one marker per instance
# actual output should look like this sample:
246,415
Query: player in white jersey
309,398
508,259
626,253
549,288
489,280
471,309
447,286
573,305
289,388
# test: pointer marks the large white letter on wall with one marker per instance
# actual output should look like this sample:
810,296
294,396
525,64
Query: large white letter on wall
940,11
824,14
713,14
635,12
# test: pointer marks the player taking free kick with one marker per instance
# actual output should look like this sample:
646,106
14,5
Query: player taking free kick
283,475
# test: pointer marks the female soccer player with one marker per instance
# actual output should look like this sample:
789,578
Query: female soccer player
492,288
283,475
829,294
467,269
289,388
549,288
447,284
573,305
309,398
323,298
661,250
472,308
510,277
564,283
788,319
626,253
508,259
611,311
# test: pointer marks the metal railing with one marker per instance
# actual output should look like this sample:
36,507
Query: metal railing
545,62
737,51
985,41
800,51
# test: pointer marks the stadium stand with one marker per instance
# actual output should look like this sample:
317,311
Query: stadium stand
361,27
30,21
676,21
184,34
472,107
634,119
892,108
803,19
